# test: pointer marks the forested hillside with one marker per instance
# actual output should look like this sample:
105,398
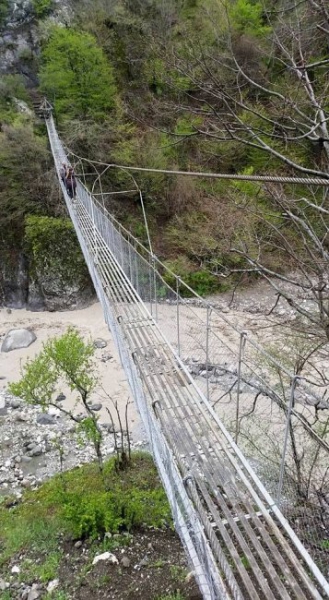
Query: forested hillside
206,85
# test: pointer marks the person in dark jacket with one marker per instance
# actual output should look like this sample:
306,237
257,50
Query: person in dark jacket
71,184
62,172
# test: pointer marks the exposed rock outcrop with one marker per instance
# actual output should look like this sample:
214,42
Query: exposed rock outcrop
19,36
18,338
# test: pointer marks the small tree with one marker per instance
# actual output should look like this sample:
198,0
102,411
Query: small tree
76,75
66,359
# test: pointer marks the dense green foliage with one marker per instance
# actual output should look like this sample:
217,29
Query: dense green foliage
67,358
207,86
4,4
54,251
76,75
24,184
42,7
77,503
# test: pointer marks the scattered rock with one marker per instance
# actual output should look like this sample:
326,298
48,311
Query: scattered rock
60,398
96,407
3,585
78,544
35,592
3,408
100,343
190,577
54,412
52,585
125,562
15,570
45,419
144,562
25,483
21,417
36,451
106,556
15,403
18,338
109,427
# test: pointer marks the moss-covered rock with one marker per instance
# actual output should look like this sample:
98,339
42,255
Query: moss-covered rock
58,275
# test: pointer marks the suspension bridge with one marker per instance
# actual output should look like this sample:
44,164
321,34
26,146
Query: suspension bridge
239,542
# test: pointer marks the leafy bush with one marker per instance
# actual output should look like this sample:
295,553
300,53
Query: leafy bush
12,86
76,75
25,185
42,7
114,510
135,498
4,6
201,281
247,17
82,502
54,250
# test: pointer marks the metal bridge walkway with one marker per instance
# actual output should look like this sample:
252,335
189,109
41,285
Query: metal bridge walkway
238,542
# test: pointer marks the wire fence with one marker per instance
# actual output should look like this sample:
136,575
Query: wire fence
271,414
266,409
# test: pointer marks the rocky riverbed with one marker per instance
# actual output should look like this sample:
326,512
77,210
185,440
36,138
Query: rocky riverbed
35,445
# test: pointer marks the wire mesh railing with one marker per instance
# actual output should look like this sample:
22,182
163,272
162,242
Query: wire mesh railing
261,404
270,413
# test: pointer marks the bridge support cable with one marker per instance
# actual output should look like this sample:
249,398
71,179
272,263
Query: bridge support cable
238,542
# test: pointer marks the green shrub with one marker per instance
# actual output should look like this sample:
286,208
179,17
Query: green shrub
76,75
247,17
42,7
12,86
90,504
135,498
54,250
4,7
201,280
82,502
114,510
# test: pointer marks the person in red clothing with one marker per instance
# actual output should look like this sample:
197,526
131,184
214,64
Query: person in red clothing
71,183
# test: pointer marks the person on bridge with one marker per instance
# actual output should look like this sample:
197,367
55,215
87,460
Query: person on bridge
62,172
71,183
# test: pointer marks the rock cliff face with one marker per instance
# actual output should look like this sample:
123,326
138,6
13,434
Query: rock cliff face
53,277
19,41
19,36
40,284
14,279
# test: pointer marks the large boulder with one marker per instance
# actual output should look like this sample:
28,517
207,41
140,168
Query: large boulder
3,410
45,419
18,338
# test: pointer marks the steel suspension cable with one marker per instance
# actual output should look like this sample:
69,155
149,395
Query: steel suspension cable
317,181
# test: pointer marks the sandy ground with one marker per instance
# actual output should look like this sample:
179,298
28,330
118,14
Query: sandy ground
248,313
90,322
223,342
